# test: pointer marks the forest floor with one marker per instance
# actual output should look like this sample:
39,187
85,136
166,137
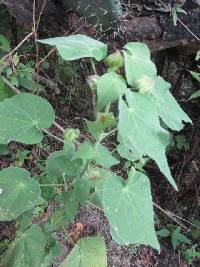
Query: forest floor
71,100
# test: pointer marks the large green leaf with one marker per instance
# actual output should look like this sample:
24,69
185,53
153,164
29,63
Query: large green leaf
5,91
138,63
59,164
110,87
77,46
88,252
142,131
167,107
18,193
28,249
128,207
22,118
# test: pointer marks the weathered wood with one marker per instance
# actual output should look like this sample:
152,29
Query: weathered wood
156,30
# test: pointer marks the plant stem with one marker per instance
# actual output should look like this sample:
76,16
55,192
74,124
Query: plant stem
18,46
107,108
55,137
59,127
52,185
93,66
9,84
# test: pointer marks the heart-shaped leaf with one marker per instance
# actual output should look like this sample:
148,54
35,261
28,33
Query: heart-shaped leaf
59,164
28,249
77,46
88,252
128,207
18,193
22,118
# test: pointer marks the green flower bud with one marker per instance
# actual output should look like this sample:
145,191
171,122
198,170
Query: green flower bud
71,135
145,85
114,61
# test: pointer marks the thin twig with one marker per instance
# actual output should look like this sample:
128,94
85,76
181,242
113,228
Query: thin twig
18,46
55,137
40,15
188,29
170,215
59,127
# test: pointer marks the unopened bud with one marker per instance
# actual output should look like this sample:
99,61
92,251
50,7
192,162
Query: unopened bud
114,61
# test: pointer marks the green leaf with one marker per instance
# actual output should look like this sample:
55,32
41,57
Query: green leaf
142,131
104,158
59,164
22,118
110,87
4,44
174,16
69,204
180,10
54,251
126,153
5,91
77,46
177,238
4,150
163,233
197,56
129,209
18,193
195,95
58,219
103,121
82,190
88,252
195,229
100,154
167,107
195,75
66,211
138,63
181,142
97,196
85,152
28,249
